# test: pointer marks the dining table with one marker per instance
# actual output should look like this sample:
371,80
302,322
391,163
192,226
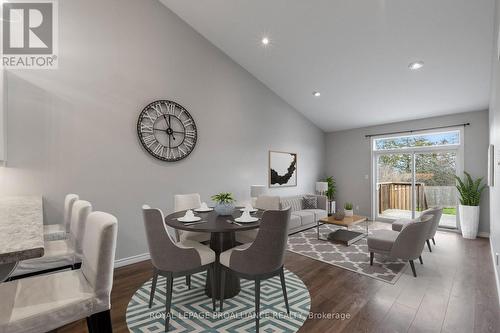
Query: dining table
222,229
21,231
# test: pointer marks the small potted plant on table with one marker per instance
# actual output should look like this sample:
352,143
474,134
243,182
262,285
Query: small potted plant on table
348,209
468,211
224,203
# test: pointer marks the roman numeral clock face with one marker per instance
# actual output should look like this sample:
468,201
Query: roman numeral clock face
167,130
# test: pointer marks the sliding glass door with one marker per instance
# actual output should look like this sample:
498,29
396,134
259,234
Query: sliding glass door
435,180
415,172
394,185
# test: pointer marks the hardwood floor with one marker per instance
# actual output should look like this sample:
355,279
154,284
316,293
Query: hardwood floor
454,292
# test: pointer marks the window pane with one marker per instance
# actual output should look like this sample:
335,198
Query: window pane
394,187
435,184
419,140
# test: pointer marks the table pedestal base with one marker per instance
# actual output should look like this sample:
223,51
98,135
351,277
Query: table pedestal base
220,242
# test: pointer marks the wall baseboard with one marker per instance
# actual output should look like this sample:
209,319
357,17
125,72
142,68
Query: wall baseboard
483,234
131,260
495,271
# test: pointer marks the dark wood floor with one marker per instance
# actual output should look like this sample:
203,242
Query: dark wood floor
454,292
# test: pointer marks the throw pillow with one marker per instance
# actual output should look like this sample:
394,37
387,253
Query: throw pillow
310,202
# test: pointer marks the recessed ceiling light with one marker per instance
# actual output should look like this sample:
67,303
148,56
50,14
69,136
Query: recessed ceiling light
265,41
416,65
316,93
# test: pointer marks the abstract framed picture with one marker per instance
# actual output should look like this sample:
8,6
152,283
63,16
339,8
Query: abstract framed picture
282,169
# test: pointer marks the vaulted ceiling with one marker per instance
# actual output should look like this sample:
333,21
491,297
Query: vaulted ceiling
356,54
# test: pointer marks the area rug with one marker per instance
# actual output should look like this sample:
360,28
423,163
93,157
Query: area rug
353,258
192,309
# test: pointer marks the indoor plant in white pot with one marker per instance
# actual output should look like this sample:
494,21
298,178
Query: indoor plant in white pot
224,203
468,211
330,194
348,209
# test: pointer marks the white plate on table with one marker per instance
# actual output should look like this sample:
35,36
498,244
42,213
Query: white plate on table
186,219
251,220
250,210
199,210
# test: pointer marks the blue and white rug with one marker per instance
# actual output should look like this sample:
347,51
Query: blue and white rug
192,309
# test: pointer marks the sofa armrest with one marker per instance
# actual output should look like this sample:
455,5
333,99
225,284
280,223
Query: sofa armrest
322,201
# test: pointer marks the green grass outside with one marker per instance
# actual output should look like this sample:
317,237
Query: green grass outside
450,211
447,210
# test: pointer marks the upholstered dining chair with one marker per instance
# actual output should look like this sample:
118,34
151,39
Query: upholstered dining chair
173,259
60,230
44,303
184,202
60,254
261,259
406,244
263,202
436,213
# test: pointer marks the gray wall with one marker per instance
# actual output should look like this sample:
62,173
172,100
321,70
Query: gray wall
348,157
73,129
495,140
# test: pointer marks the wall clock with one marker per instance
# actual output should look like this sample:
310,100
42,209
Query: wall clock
167,130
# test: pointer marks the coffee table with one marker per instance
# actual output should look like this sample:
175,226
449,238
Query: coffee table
344,236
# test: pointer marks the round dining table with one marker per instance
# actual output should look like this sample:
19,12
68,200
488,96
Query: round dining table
222,230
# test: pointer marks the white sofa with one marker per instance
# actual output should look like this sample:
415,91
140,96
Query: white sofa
300,218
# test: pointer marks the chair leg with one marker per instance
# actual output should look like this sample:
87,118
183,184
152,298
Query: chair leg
413,268
433,241
211,271
428,245
257,305
421,261
99,322
283,286
153,288
371,258
222,283
188,281
168,301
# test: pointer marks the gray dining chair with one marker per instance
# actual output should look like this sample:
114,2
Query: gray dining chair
263,202
406,244
185,202
261,259
174,259
436,213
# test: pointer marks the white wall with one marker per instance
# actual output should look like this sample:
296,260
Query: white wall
74,129
349,159
495,140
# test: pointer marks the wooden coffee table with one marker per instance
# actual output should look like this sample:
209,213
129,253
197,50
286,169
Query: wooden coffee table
344,236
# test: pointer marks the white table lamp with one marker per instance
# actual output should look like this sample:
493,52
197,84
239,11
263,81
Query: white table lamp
257,190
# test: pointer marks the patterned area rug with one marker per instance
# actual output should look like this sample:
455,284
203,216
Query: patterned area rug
354,257
192,309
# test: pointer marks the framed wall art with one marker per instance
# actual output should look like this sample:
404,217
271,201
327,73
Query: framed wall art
282,169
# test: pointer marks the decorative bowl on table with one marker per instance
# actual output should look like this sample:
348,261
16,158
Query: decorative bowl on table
224,208
339,215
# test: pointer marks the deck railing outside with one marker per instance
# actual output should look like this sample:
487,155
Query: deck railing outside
398,195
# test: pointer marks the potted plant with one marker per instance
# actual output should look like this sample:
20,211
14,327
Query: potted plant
224,203
348,209
330,193
468,211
